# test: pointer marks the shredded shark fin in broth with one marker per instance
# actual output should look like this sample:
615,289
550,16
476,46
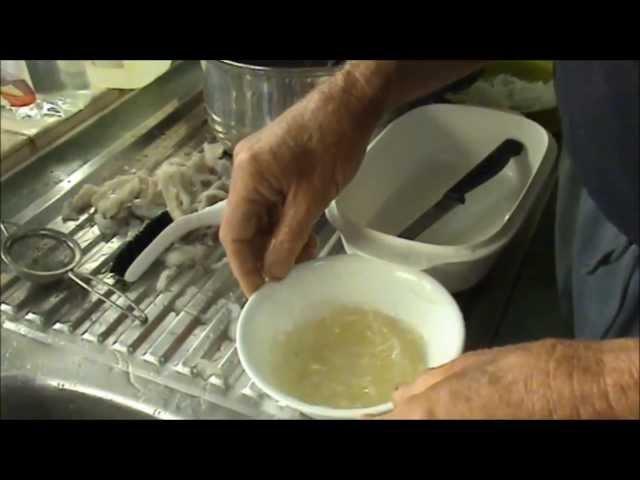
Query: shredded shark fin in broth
351,358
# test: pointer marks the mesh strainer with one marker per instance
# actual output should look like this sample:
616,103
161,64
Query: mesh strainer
43,255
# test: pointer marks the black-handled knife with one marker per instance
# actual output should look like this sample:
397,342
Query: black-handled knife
488,168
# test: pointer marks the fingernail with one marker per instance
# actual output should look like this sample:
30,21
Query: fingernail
276,272
277,264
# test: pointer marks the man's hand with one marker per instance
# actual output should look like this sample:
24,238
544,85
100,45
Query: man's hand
551,379
286,174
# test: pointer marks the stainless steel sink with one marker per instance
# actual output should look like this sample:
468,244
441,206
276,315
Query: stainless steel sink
24,398
65,355
44,381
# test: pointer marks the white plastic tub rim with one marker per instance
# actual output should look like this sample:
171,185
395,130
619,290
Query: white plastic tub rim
358,238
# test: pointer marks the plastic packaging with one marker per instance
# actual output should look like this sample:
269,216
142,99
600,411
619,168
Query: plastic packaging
39,93
16,85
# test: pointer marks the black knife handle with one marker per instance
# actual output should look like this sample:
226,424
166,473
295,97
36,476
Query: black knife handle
488,168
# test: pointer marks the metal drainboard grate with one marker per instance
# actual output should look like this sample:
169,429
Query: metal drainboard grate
187,342
187,332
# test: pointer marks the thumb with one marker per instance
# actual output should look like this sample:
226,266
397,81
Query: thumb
434,375
290,237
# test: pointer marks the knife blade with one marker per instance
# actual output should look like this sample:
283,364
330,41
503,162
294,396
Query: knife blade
429,218
488,168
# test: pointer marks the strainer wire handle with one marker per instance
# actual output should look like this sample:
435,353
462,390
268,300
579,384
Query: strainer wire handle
4,226
139,314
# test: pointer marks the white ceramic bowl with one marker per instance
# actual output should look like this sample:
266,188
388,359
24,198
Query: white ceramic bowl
314,288
414,161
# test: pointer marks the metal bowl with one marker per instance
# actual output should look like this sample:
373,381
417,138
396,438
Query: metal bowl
242,98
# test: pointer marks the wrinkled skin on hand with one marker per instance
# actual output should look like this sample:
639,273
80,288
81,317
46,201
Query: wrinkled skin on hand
284,176
550,379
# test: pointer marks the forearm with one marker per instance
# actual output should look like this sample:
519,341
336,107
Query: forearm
396,82
370,88
621,359
595,379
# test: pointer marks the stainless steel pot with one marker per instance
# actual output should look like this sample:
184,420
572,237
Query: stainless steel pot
242,98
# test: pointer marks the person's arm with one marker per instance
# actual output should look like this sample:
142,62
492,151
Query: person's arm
399,82
596,379
286,174
549,379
